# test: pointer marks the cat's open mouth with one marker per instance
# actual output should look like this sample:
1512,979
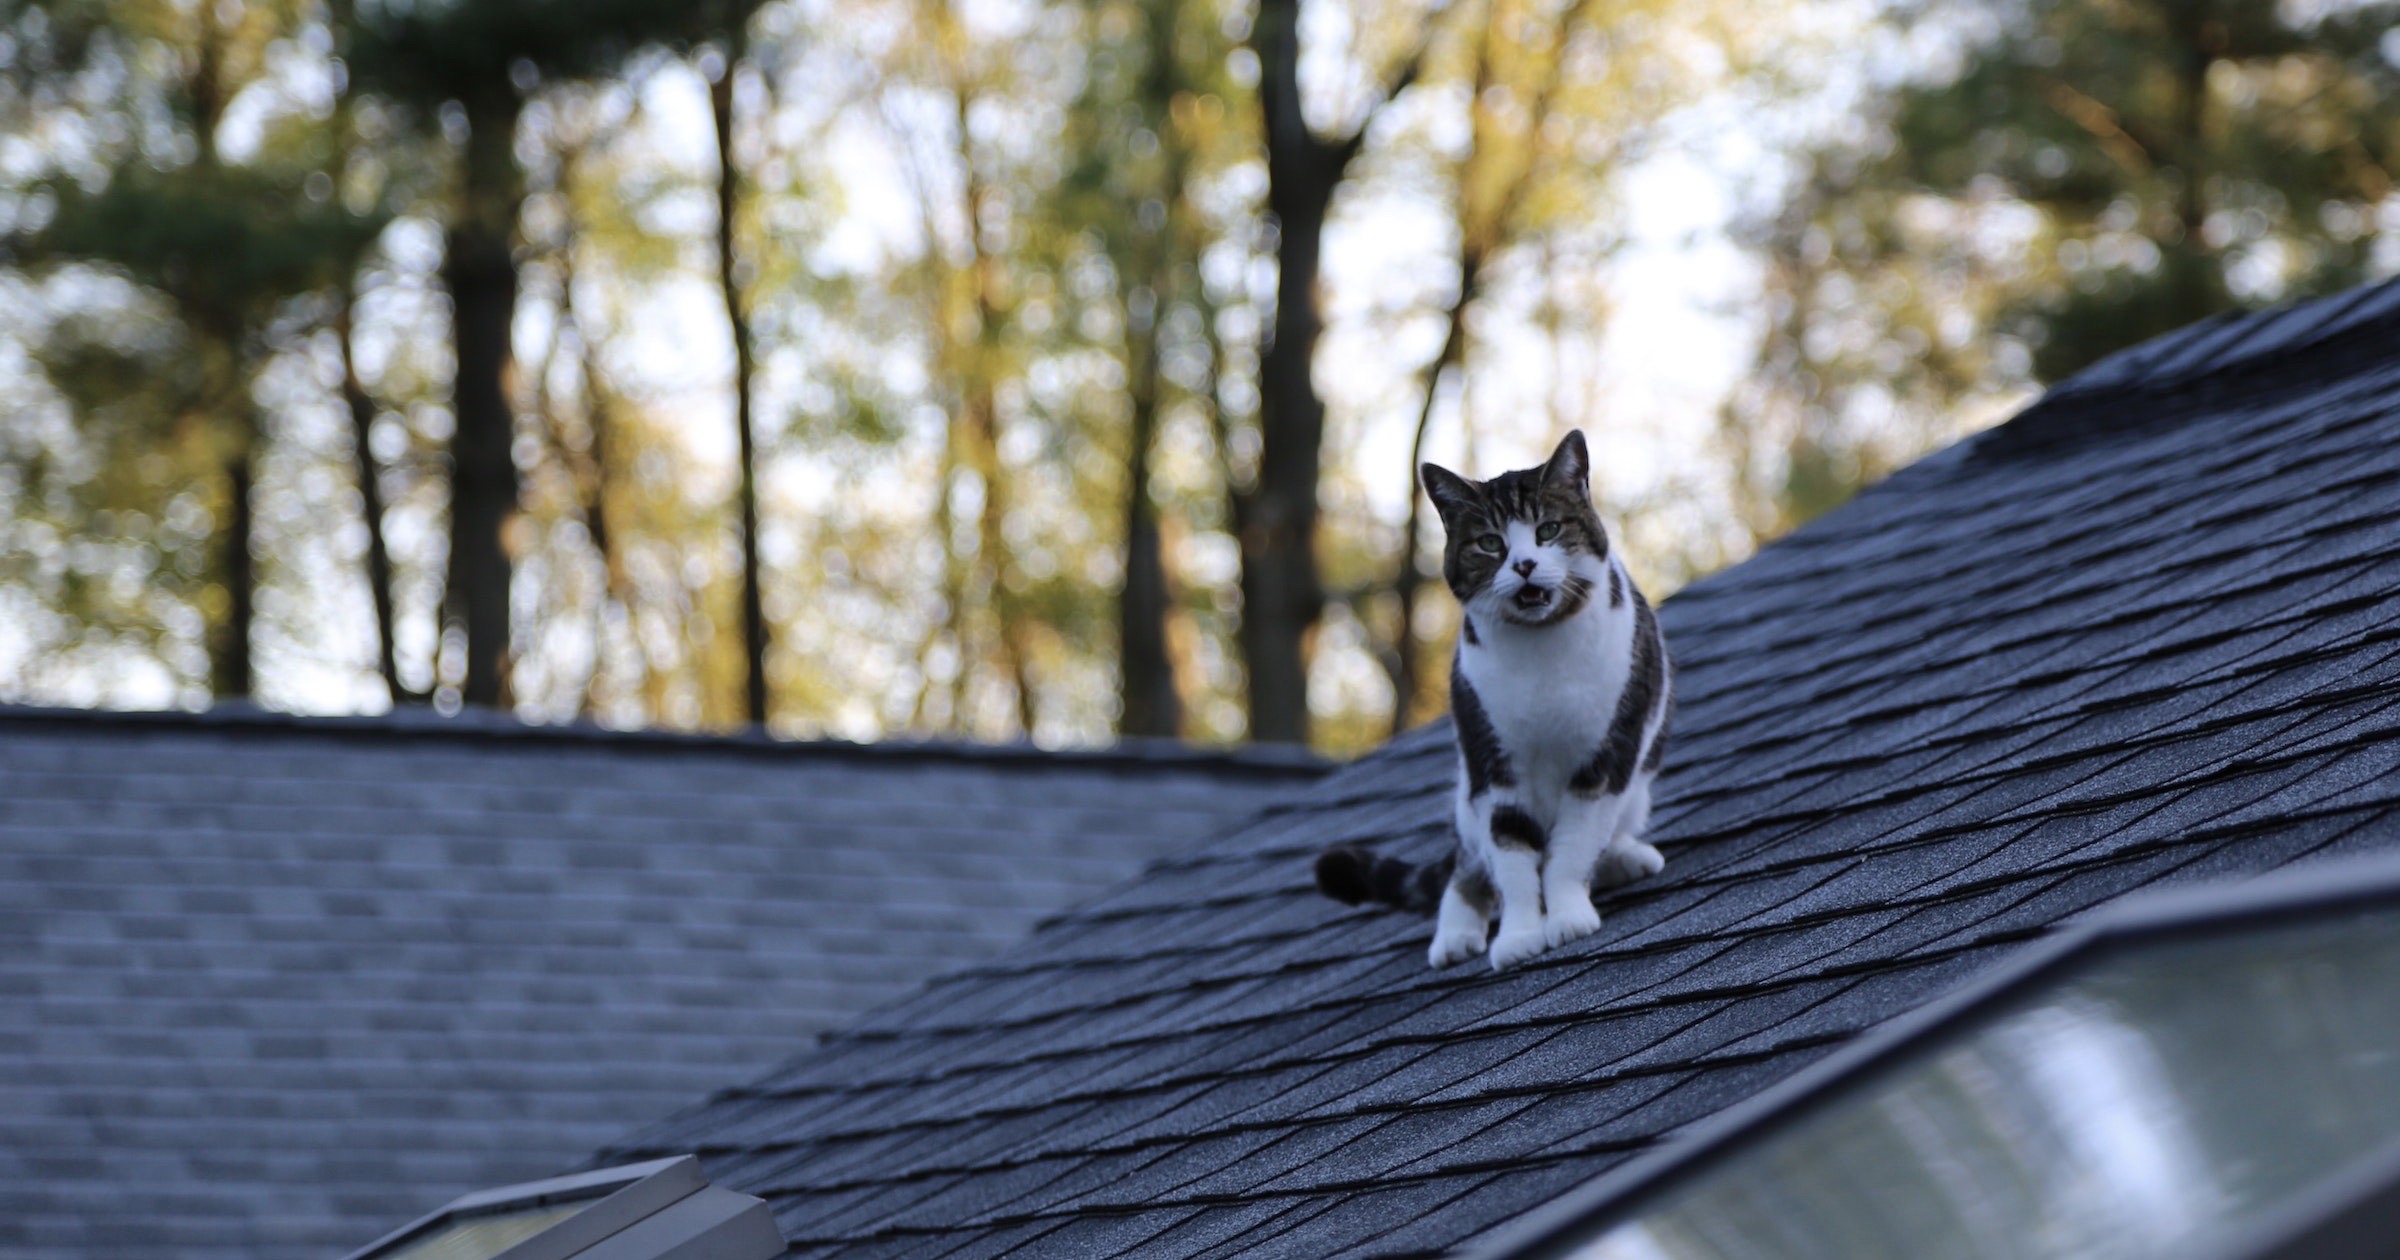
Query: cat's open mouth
1531,598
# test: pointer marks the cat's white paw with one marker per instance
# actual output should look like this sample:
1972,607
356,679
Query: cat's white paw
1454,946
1627,863
1569,919
1510,948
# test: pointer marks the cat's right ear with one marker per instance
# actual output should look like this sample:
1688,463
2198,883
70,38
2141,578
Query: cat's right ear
1570,466
1451,493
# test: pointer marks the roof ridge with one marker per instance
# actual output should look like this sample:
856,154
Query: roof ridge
2236,336
2204,359
488,726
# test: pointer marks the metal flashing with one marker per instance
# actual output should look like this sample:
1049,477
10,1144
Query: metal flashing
661,1209
1275,761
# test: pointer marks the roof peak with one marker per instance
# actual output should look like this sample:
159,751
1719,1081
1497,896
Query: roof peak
2211,355
477,725
2238,338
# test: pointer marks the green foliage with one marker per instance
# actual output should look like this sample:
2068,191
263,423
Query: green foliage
2184,155
227,243
106,527
123,353
2089,175
426,52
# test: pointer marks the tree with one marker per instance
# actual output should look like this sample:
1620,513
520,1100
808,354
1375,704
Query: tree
1492,183
343,147
1147,69
227,245
481,59
2086,177
1275,519
1043,453
1151,276
720,67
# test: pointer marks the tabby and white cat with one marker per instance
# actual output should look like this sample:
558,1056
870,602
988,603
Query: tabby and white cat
1560,690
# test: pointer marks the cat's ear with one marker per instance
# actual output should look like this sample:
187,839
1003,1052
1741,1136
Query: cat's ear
1451,493
1570,466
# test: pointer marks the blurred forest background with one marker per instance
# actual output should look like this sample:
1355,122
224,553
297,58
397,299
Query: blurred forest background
1048,368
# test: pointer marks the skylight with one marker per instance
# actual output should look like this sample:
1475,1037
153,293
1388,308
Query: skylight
2169,1083
484,1236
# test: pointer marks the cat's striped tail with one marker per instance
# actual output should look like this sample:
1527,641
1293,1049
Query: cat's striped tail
1357,877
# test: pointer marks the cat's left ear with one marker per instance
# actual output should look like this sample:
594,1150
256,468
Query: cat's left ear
1451,493
1570,466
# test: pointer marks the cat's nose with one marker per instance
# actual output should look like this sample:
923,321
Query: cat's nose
1524,568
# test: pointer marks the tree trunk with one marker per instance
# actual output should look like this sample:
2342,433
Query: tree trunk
955,625
1148,702
1411,577
980,413
482,279
2198,277
754,617
614,574
982,426
1276,521
229,652
370,497
362,405
1146,674
230,675
591,471
1482,226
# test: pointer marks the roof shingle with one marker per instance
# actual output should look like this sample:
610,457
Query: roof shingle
272,986
2147,632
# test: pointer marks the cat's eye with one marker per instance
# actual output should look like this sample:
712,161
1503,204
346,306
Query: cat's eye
1490,542
1548,531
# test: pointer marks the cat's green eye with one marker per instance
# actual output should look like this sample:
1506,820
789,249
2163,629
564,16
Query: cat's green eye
1490,542
1548,531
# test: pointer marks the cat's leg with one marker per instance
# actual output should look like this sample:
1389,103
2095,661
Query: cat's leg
1517,845
1585,824
1629,857
1469,900
1466,915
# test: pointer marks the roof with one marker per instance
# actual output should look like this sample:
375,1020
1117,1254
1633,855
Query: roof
2145,634
271,986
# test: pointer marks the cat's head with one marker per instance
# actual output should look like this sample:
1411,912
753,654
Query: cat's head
1526,546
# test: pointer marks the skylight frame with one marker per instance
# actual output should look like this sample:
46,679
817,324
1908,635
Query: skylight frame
2346,1215
652,1208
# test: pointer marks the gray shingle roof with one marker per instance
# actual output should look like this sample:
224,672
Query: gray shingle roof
270,987
2147,633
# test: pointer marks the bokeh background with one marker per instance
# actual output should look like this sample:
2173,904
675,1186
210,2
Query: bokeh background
1048,369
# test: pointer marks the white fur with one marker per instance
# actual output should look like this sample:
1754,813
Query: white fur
1551,693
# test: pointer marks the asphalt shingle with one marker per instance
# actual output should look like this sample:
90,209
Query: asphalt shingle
270,987
2139,635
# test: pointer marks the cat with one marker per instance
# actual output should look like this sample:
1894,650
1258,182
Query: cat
1561,689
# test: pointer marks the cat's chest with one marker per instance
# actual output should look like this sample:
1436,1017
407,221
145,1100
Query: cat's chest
1550,692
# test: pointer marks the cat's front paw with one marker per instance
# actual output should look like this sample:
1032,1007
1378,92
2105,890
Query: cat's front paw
1627,863
1454,946
1510,948
1569,919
